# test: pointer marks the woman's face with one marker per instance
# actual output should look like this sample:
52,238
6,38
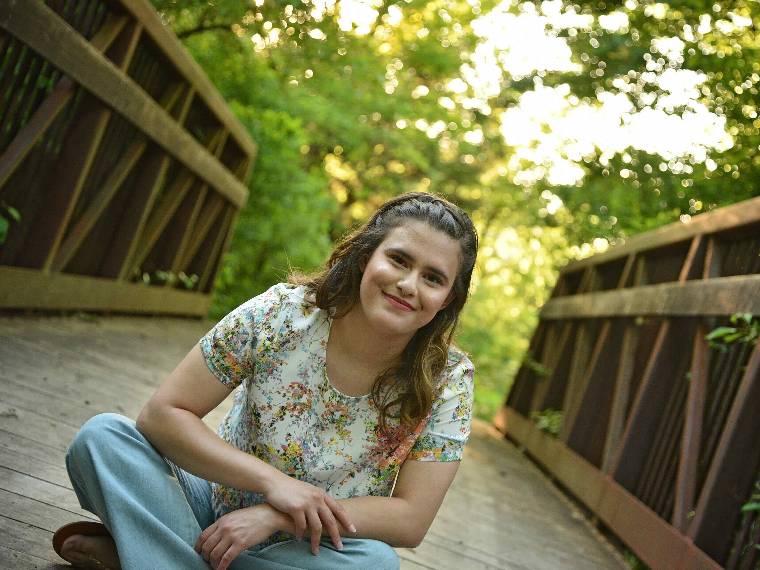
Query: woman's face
409,278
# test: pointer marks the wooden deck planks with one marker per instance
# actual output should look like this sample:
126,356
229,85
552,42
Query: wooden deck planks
56,372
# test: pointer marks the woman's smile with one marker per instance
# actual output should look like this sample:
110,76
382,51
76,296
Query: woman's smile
399,303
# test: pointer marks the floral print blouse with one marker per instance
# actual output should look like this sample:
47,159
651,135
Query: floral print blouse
286,412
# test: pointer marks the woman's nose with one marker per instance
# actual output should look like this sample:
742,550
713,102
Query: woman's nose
407,283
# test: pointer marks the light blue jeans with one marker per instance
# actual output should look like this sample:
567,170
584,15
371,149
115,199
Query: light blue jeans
156,511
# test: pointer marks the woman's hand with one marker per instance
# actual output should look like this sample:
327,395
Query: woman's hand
308,506
236,531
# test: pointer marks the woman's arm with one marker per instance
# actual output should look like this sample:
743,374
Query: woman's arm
171,420
401,520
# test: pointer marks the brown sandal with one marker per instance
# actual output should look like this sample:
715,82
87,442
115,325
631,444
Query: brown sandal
85,528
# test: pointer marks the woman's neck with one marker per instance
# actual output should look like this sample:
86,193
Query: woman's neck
355,340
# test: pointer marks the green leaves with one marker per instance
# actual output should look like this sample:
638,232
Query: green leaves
8,214
549,421
747,330
752,509
345,119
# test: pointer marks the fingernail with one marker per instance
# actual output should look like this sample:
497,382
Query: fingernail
352,528
340,546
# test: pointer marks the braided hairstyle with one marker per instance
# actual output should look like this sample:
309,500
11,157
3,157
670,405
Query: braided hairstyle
336,289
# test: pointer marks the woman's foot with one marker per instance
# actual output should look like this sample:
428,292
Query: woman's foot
94,552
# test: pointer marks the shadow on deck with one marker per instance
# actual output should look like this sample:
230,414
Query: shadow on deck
56,372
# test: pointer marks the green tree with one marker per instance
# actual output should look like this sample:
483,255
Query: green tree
349,112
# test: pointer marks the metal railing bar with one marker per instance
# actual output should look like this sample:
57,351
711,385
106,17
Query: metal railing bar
642,409
145,189
578,365
183,225
69,173
584,380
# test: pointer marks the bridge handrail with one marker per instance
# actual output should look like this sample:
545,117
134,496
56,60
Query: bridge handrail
658,424
125,164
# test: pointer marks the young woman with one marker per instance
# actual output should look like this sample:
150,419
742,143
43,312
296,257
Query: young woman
348,423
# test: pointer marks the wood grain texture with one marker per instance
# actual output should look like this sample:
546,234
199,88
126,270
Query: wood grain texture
712,297
175,52
53,104
720,500
656,543
89,218
71,53
27,288
692,431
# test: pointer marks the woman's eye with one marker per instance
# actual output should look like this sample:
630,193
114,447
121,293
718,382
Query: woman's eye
435,279
397,259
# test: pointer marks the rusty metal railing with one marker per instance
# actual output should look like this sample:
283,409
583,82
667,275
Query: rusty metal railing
123,163
659,429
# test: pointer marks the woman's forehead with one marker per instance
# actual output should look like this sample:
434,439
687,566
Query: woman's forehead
422,239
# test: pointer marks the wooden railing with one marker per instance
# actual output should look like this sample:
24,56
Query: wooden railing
124,163
660,431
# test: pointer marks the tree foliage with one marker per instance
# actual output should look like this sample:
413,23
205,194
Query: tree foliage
353,102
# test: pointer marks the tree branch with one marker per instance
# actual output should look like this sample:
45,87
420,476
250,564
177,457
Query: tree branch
203,28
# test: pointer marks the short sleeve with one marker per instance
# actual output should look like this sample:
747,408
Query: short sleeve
230,347
447,430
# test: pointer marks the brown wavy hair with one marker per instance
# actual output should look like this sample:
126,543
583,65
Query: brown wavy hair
336,289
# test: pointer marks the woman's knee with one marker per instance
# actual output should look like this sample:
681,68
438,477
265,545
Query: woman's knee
373,553
99,432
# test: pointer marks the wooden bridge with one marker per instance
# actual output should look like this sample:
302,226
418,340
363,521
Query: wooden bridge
56,372
649,355
124,164
121,174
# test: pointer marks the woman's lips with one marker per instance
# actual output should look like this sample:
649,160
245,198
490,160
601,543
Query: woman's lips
396,302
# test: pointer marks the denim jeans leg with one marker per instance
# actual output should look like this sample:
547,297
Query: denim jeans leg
120,477
198,494
155,510
357,553
291,555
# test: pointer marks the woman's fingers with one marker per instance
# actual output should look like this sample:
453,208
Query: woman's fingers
228,557
299,519
203,536
215,554
225,552
211,542
331,526
315,529
340,513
